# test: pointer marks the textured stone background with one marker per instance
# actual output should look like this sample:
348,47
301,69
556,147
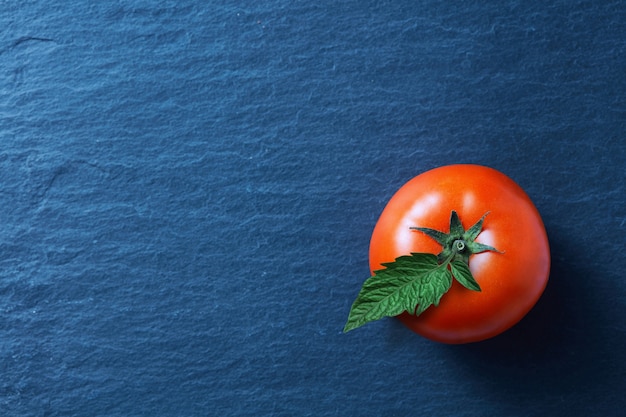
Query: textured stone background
188,191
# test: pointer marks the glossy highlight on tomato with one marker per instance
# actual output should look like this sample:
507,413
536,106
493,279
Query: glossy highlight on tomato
511,280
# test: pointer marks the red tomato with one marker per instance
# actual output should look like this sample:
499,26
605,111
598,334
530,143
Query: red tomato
511,281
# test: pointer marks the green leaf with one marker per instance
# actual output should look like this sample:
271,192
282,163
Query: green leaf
462,273
440,237
476,247
475,230
456,227
417,281
411,283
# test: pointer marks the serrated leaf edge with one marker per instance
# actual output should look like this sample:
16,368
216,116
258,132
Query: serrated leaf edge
408,292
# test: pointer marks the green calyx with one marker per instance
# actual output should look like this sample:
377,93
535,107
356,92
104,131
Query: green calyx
416,281
459,244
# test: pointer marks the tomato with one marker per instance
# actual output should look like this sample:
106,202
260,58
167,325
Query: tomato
511,280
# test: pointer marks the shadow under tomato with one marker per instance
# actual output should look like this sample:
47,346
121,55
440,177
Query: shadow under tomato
562,346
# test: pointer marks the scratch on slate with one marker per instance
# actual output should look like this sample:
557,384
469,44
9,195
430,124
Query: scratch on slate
24,39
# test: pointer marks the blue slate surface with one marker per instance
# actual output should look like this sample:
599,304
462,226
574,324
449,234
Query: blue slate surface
188,191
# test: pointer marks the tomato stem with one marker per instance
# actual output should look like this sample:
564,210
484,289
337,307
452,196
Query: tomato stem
458,243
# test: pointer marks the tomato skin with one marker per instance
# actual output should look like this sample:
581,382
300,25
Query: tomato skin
511,282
